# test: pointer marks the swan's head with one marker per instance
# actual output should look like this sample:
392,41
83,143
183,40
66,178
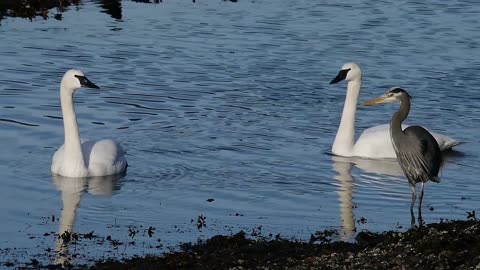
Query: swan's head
349,72
393,95
75,79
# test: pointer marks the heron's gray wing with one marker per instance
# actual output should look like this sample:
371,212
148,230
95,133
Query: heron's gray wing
410,157
424,152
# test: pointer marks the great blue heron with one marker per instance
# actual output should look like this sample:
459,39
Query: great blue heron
417,150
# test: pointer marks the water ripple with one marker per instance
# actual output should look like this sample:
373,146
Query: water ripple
233,103
18,122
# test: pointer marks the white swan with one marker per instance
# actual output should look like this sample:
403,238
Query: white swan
83,158
374,142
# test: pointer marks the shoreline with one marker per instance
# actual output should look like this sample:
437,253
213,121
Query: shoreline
444,245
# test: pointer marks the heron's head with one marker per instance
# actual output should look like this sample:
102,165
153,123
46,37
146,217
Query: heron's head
349,72
75,79
393,95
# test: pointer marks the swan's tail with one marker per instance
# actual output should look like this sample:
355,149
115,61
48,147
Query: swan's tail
435,179
450,144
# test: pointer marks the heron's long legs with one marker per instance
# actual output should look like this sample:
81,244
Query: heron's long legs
412,218
421,197
420,219
414,196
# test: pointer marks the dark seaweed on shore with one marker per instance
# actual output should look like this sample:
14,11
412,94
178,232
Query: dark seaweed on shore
445,245
31,9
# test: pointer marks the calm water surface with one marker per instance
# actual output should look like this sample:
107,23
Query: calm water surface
231,102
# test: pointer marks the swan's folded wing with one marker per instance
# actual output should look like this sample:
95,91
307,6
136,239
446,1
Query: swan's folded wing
106,158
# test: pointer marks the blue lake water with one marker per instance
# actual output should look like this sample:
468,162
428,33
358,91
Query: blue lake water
230,102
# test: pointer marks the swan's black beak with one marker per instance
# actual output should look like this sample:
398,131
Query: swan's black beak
342,74
84,82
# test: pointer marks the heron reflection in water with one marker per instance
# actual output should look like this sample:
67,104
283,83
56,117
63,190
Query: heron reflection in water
72,191
417,151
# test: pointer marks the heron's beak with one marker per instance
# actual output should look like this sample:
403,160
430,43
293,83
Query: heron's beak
342,74
379,100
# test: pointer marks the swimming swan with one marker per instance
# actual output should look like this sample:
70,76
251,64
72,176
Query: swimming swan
83,158
374,142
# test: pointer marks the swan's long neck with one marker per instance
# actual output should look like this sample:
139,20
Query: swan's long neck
73,156
345,139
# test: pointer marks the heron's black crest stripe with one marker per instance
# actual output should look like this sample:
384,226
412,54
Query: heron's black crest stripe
342,74
398,90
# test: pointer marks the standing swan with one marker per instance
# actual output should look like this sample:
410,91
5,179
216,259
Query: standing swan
374,142
88,158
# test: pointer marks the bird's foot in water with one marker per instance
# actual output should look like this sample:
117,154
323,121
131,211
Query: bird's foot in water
421,223
413,223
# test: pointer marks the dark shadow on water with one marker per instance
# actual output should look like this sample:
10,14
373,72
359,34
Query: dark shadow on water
112,8
31,9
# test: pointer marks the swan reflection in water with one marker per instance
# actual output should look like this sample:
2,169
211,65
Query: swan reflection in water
378,171
343,167
345,192
72,190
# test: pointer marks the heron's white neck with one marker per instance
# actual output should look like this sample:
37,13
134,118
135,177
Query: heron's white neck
345,139
73,163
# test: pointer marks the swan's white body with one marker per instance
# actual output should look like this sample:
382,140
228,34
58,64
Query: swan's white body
88,158
374,142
